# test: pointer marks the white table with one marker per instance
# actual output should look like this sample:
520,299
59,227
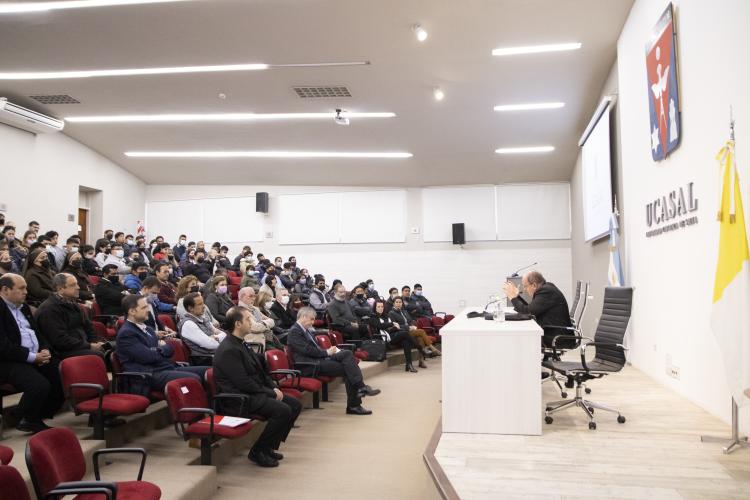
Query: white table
491,376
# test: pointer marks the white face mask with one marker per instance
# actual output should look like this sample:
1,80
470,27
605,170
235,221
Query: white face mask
371,286
285,299
418,292
119,253
73,249
130,242
182,243
48,247
268,305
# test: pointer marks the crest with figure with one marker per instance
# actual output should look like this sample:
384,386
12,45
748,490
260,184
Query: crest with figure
663,96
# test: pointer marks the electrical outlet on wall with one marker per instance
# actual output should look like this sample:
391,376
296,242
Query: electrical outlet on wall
674,372
415,230
462,303
269,235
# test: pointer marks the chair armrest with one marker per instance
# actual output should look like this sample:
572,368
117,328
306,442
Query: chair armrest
579,337
98,388
357,343
109,451
227,395
107,319
109,490
285,374
595,344
256,347
181,363
348,346
141,375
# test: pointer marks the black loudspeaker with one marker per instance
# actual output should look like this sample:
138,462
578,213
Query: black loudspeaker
261,202
458,234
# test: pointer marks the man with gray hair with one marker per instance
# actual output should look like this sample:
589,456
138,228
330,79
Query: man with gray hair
332,362
62,322
261,326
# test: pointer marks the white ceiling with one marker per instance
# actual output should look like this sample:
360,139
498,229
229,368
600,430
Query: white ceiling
453,141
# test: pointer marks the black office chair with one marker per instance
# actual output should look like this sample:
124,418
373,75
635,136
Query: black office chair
577,310
609,358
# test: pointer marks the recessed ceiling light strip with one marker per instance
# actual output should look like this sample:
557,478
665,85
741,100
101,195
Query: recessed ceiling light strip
529,106
526,149
264,154
25,7
535,49
220,117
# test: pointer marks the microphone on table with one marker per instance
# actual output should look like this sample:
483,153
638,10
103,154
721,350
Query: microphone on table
515,274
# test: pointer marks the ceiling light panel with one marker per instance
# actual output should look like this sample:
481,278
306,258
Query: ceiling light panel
529,106
535,49
265,154
525,149
221,117
26,7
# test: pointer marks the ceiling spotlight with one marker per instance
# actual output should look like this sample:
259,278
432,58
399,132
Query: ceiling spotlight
419,32
340,120
222,95
438,94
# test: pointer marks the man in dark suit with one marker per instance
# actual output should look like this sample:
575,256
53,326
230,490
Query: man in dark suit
109,292
140,349
238,370
333,362
25,359
548,305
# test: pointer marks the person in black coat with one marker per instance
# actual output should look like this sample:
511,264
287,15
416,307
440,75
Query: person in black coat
202,268
281,311
73,264
25,359
548,305
63,323
359,304
238,370
109,292
333,362
381,324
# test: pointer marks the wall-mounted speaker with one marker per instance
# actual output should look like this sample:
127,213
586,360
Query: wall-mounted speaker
459,237
261,202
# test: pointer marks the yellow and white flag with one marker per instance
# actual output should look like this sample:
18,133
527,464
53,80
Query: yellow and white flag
730,315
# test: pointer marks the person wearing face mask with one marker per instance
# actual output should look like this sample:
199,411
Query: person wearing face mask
244,260
9,235
73,265
392,294
264,301
319,299
250,278
287,277
359,304
302,285
282,311
261,326
116,257
424,307
63,323
103,250
370,290
56,252
197,331
180,248
6,262
266,269
109,292
89,263
202,268
19,252
38,277
167,290
134,280
269,285
145,252
343,318
218,300
222,260
150,291
406,324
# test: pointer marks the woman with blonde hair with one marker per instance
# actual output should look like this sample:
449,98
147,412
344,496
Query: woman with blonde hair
264,302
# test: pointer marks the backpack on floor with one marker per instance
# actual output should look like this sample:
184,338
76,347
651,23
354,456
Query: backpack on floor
375,349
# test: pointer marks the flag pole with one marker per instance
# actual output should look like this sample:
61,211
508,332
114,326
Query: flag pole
736,441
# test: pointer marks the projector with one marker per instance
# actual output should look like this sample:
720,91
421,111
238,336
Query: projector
340,120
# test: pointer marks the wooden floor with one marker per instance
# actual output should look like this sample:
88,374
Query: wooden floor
656,454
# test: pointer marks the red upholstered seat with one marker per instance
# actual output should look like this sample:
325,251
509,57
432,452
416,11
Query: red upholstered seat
280,361
304,383
181,351
93,280
12,485
54,456
6,455
199,429
338,338
426,325
291,392
102,331
167,321
234,280
121,404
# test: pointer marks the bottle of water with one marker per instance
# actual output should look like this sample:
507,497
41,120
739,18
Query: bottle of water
499,311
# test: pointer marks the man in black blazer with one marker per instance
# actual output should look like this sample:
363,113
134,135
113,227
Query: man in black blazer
333,362
548,305
25,359
238,370
109,292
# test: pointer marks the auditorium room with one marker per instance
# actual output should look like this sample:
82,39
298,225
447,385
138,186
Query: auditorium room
367,249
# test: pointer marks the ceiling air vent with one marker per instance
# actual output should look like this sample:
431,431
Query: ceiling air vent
55,99
327,91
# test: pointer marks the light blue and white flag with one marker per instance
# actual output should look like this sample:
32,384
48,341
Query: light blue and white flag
614,273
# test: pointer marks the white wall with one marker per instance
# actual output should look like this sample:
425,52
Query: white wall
41,178
673,274
448,273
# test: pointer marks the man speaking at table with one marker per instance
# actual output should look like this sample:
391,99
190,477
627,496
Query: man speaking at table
548,305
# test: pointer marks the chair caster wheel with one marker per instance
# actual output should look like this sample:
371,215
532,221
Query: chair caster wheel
564,395
548,420
591,409
592,426
588,391
620,419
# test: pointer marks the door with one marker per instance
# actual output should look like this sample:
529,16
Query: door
83,225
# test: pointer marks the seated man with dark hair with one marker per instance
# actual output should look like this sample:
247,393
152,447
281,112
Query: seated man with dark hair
343,318
197,331
319,299
333,362
238,370
360,305
548,305
202,268
108,292
138,272
63,323
424,308
25,359
141,350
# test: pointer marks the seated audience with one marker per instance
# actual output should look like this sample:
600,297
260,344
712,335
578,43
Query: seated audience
548,305
269,285
282,310
38,277
244,260
319,299
89,264
239,371
392,294
33,227
304,283
220,273
150,290
409,304
250,278
180,247
359,304
261,328
424,308
406,324
287,276
6,262
190,284
381,324
332,362
264,301
109,292
134,280
26,362
141,350
222,260
64,324
343,318
73,265
56,252
218,300
103,250
167,290
370,290
197,331
116,257
202,268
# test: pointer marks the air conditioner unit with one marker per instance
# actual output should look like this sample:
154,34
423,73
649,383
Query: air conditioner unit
25,119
